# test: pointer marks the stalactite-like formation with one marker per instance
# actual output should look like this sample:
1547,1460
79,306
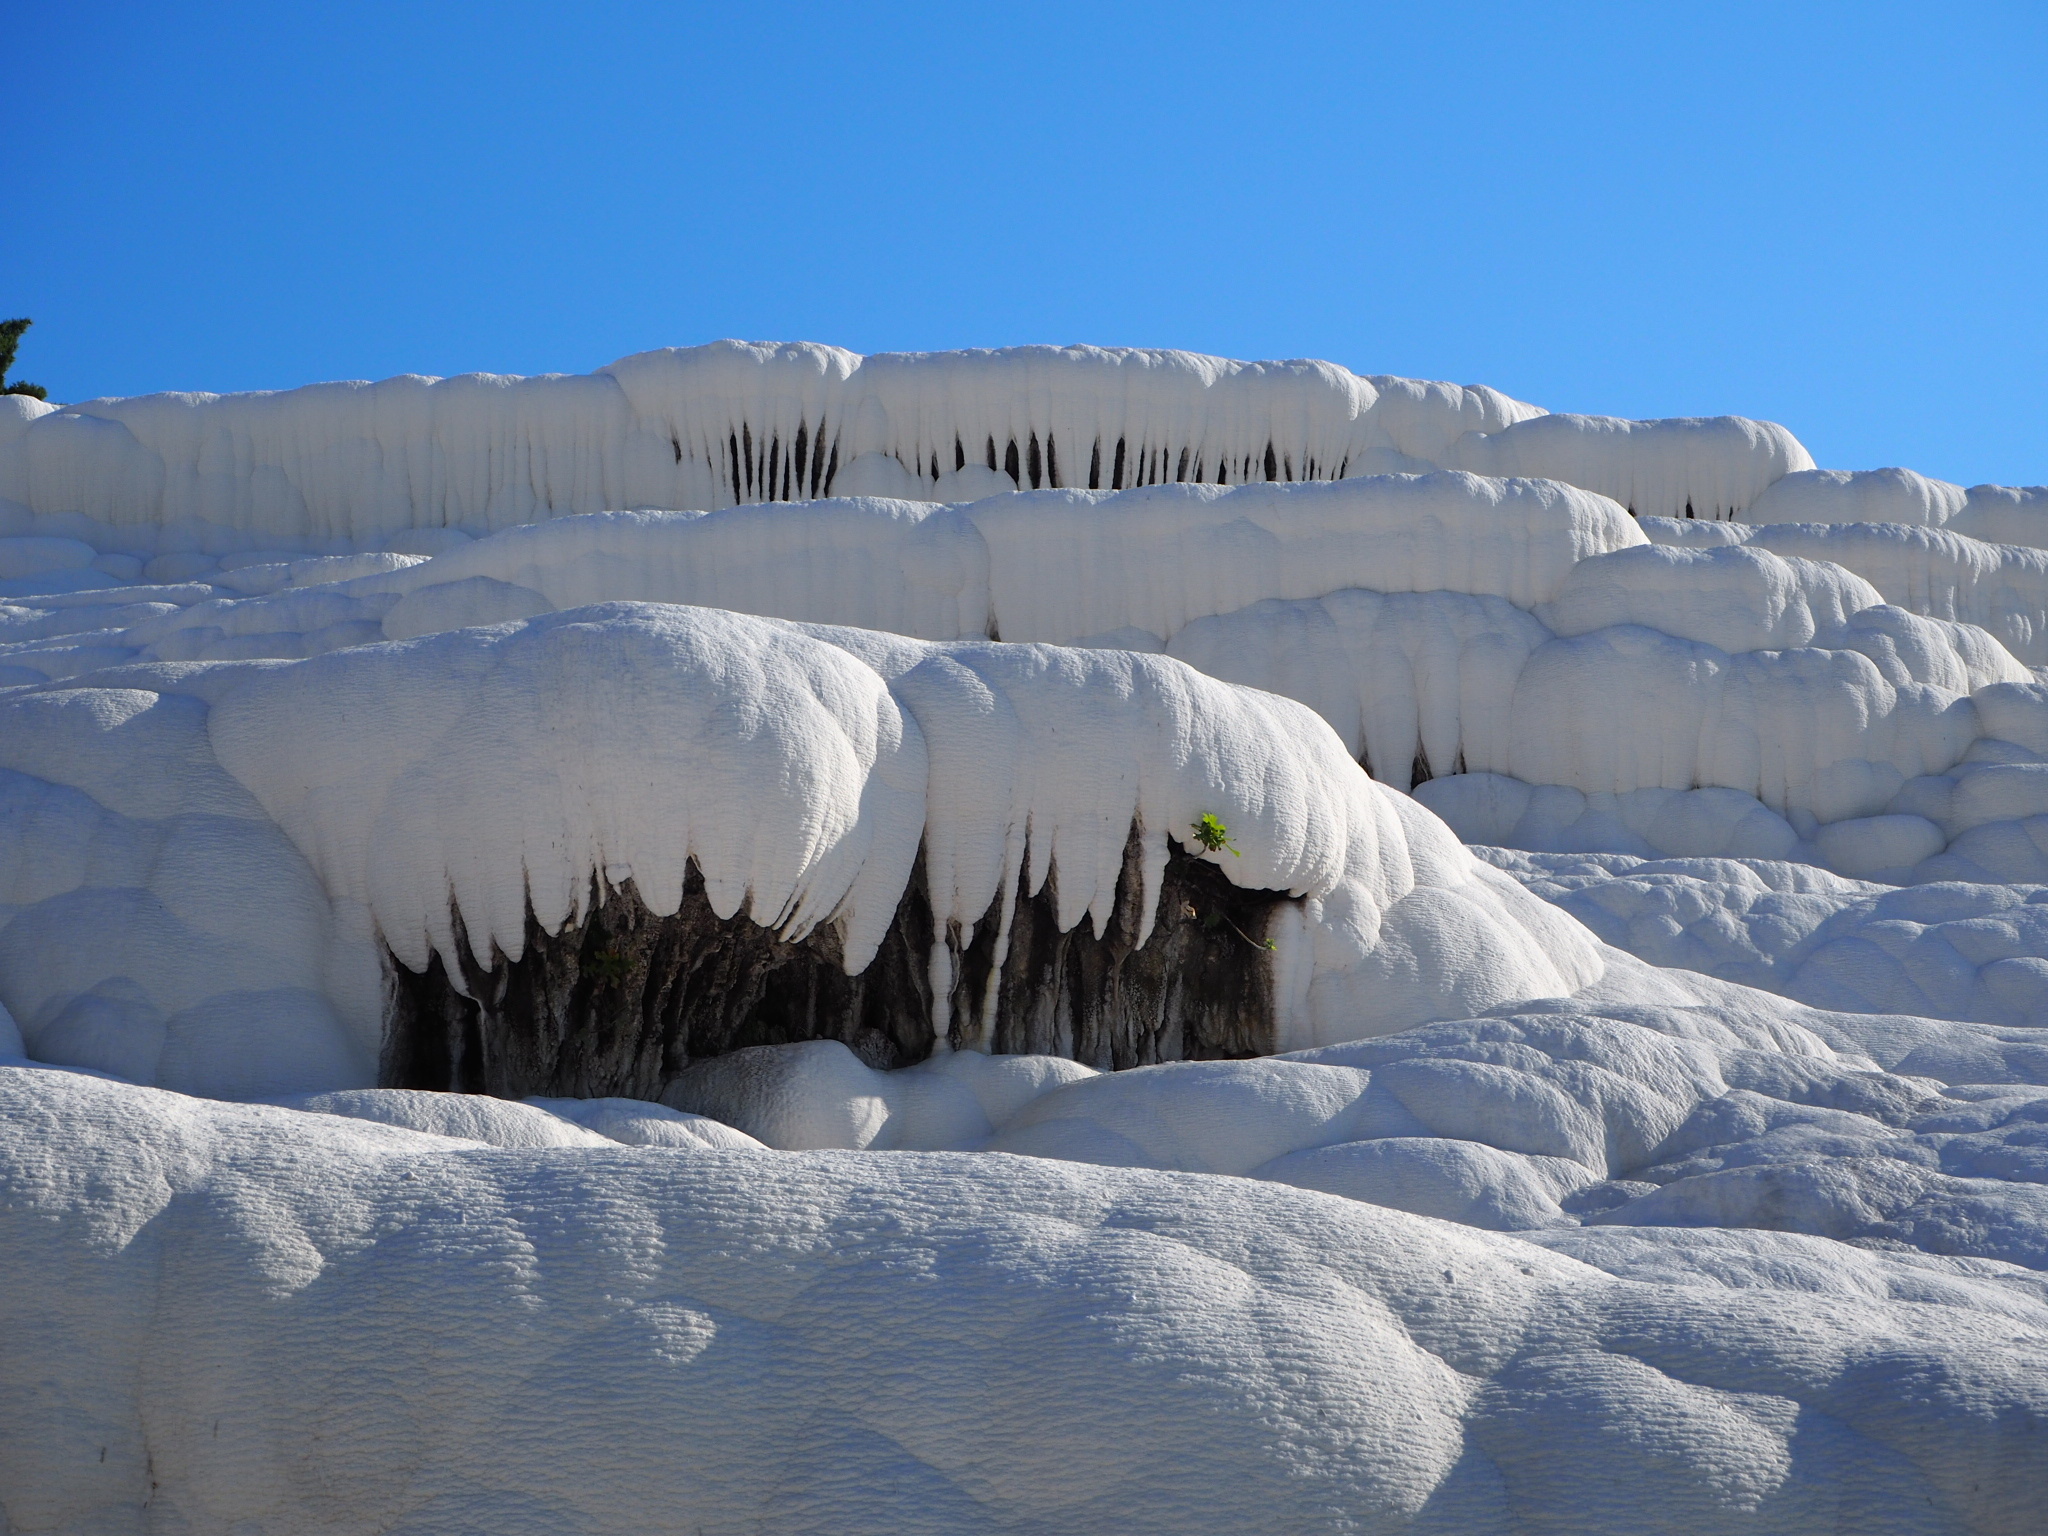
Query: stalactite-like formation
621,1002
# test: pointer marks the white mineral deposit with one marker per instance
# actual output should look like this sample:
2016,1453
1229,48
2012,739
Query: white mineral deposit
1030,941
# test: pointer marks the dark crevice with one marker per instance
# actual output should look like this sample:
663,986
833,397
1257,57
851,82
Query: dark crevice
807,465
1200,988
622,1002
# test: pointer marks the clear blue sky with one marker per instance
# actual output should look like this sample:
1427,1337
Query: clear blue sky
1835,216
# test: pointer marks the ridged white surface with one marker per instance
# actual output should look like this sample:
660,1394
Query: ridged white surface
707,427
1949,951
1444,625
283,1322
2004,514
1861,496
486,771
1701,467
1941,574
287,1321
1529,1236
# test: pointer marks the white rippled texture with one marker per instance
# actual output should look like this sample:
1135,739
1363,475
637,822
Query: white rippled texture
1853,695
1699,467
707,427
1949,950
1734,1221
212,846
1935,572
1862,496
2004,514
271,1320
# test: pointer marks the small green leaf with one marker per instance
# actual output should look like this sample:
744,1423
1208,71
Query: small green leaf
1213,835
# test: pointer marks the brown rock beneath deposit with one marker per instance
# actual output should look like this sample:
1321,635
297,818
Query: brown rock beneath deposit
620,1003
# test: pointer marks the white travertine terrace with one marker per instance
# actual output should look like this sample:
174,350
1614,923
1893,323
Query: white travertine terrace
1674,1164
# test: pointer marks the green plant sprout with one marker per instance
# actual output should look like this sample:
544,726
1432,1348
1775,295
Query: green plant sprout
1213,835
1255,944
1211,921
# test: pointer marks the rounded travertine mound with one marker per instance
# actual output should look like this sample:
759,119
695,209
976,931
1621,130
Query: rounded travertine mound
1062,567
486,769
1814,691
1428,618
1736,598
1856,496
801,770
2004,514
1942,951
1820,731
16,412
1070,565
452,797
1697,467
200,1294
734,422
1930,571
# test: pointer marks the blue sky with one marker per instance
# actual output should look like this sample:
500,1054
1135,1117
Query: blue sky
1835,216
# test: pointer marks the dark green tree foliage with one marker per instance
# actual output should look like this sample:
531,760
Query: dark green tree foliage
10,338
